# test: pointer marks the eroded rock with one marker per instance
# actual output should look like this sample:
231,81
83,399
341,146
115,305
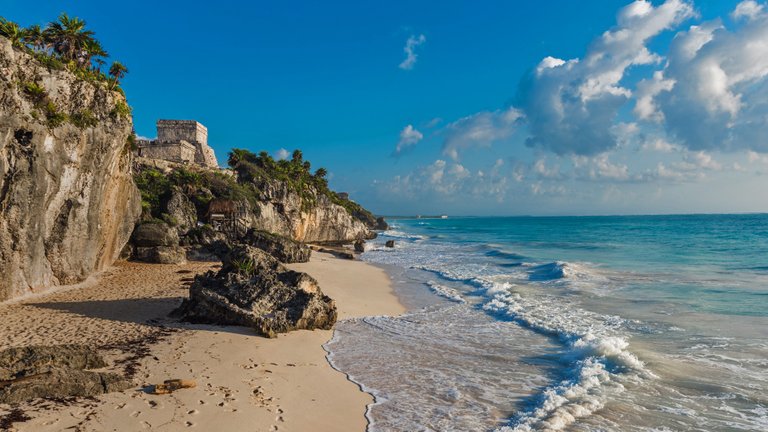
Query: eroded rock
157,242
282,248
181,210
54,372
253,289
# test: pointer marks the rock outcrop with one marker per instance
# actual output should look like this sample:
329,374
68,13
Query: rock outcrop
181,211
281,210
54,372
282,248
157,242
67,200
359,246
254,290
381,224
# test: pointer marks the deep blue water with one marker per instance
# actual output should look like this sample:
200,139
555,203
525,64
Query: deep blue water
568,323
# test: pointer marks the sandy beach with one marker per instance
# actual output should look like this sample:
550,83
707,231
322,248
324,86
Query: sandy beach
244,382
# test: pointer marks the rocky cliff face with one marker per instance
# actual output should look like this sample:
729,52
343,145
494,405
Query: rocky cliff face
68,203
280,211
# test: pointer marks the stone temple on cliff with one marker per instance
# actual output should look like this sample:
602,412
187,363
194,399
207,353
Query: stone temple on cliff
181,141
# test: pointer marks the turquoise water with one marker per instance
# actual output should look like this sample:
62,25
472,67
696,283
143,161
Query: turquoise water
649,323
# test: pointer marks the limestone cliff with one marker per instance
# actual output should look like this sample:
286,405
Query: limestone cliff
67,200
276,205
282,211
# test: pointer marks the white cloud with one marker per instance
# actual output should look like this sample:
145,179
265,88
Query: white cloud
659,145
282,154
718,100
747,9
572,105
479,130
409,137
411,44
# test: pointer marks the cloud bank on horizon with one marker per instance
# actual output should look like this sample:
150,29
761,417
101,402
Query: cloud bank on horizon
622,115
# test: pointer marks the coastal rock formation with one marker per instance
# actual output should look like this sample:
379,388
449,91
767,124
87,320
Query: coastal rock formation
54,372
156,242
67,200
359,246
281,210
282,248
253,289
181,211
381,224
390,243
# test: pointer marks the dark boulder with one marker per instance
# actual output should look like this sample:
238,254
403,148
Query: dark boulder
360,246
157,242
32,360
61,383
205,243
390,243
150,234
381,224
160,254
253,289
54,372
282,248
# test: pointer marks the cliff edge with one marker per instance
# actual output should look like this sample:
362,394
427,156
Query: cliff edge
68,203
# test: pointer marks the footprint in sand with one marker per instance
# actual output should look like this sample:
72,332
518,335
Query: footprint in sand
189,424
193,412
135,413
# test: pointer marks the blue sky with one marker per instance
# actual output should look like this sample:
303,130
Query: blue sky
624,116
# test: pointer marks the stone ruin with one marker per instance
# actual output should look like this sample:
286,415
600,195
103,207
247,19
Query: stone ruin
181,141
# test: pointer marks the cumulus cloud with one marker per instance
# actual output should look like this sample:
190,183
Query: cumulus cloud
411,44
282,154
479,130
571,105
716,91
747,9
409,137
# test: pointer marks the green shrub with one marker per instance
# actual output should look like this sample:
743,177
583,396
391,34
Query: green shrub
50,62
170,220
244,266
84,119
153,185
53,116
120,110
35,92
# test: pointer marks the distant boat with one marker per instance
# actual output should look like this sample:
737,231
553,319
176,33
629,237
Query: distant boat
443,216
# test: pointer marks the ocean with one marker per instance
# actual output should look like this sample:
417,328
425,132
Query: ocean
620,323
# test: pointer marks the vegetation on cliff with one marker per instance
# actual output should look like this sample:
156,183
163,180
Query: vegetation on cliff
65,43
296,173
253,174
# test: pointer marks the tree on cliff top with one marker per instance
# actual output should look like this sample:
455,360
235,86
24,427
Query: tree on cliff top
64,42
12,31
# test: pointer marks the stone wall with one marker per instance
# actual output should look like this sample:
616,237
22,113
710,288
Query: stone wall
174,131
177,130
181,151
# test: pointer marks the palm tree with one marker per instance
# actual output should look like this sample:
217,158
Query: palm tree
117,71
33,36
321,173
99,63
12,31
92,48
68,37
297,156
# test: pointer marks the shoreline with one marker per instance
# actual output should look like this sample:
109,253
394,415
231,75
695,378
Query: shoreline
285,384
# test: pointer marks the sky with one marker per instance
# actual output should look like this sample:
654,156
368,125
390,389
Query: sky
464,107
